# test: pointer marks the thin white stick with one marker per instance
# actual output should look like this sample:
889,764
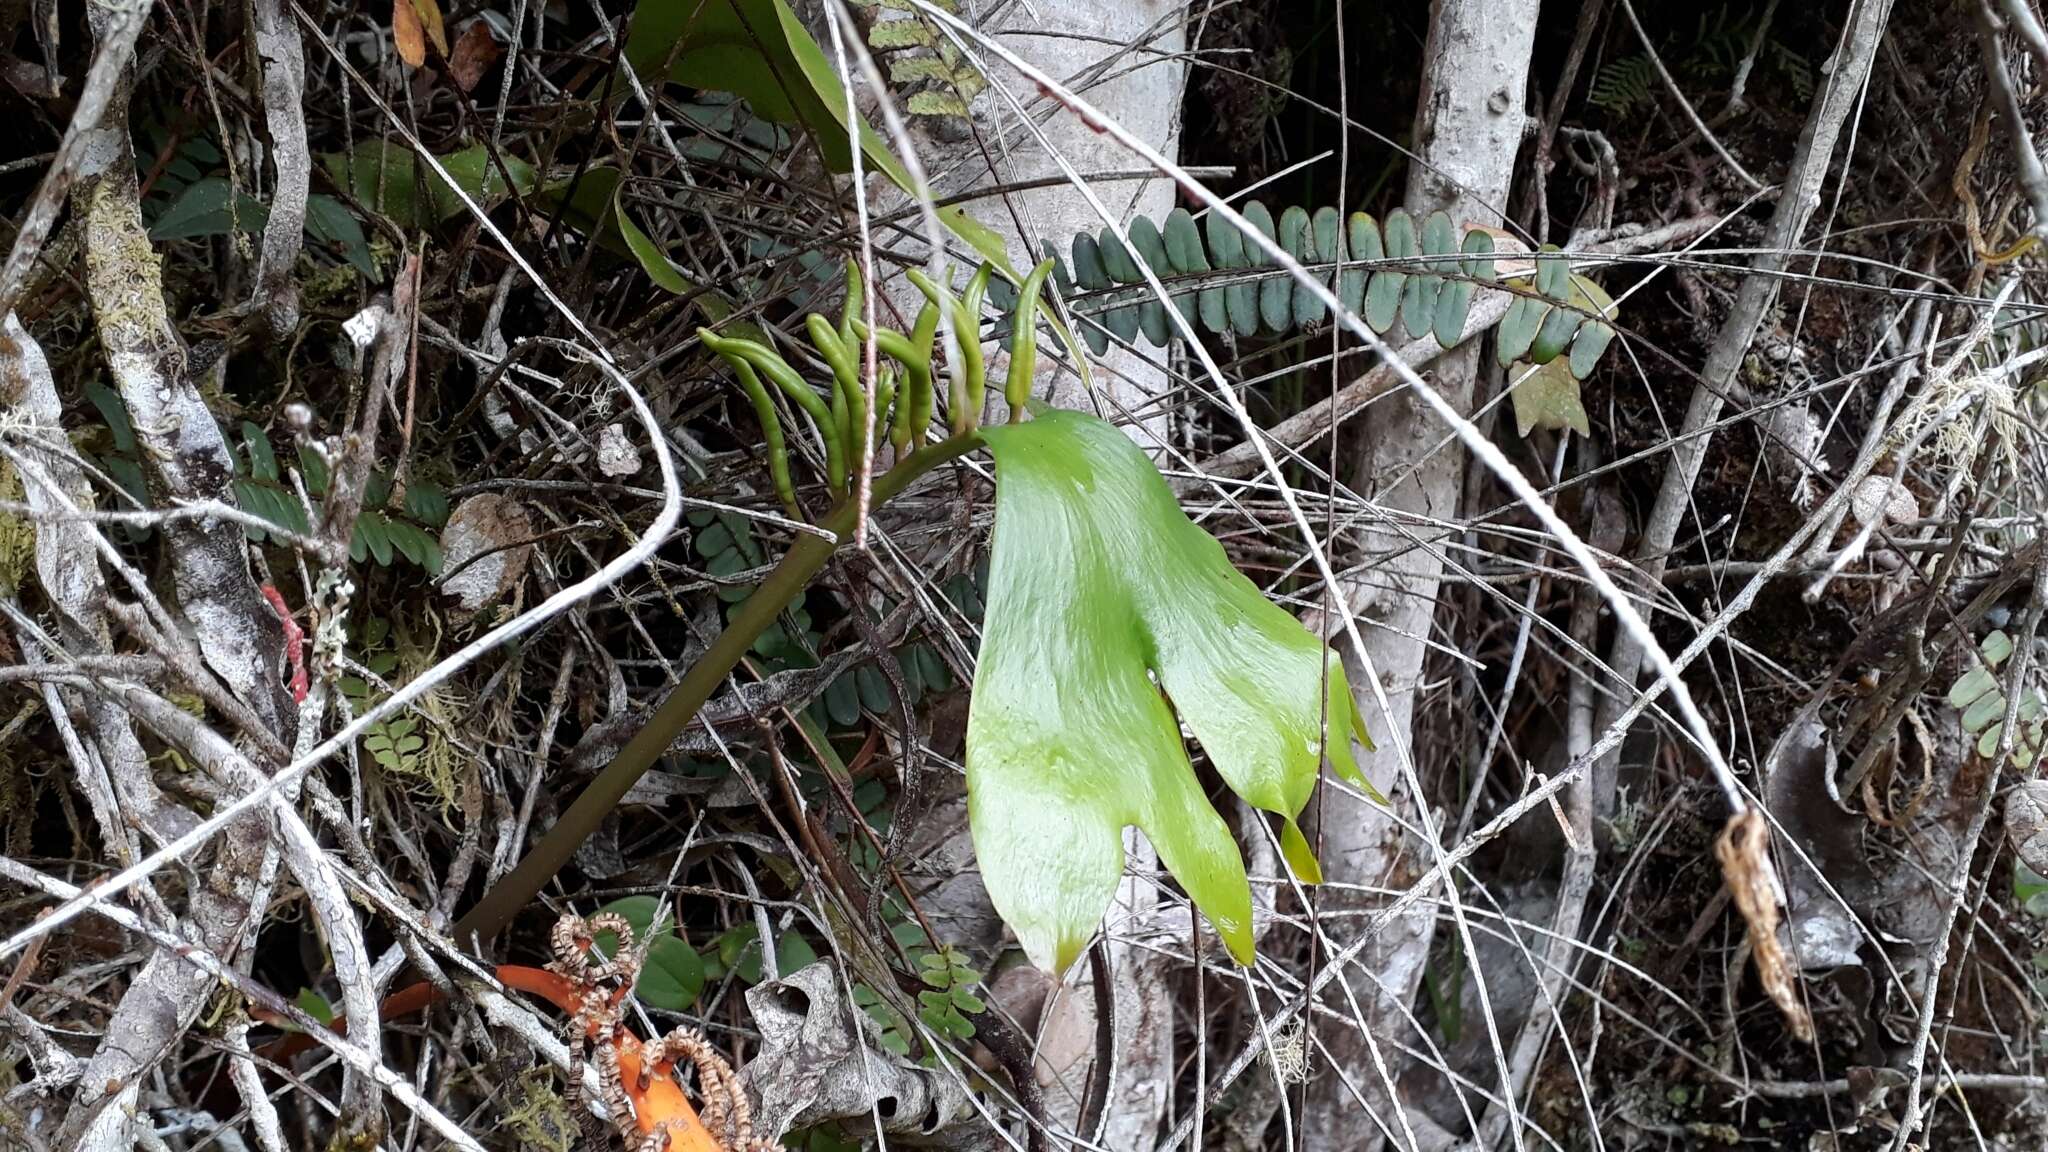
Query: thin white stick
350,1054
657,534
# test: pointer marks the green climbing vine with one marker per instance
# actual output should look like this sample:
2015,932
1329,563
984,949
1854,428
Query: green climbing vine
1983,703
1419,275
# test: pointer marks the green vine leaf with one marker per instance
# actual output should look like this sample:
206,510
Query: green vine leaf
1454,299
115,412
1326,236
893,1028
1297,304
646,252
1099,584
315,1005
1980,697
674,973
262,458
427,502
209,207
1546,395
1151,248
1276,293
1418,304
1400,243
330,223
372,536
383,175
1593,335
738,952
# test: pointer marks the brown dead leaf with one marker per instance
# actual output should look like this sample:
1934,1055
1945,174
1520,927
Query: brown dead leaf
1880,498
2026,823
1547,397
1744,851
406,33
485,549
1870,1090
415,23
475,51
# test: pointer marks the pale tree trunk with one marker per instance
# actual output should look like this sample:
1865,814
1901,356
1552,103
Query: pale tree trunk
1125,59
1468,129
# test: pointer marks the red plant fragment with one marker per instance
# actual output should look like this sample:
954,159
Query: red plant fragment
294,643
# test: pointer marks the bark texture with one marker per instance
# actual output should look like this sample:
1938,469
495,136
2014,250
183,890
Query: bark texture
237,634
1468,129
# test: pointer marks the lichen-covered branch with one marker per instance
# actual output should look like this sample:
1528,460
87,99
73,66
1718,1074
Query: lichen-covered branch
67,568
385,335
362,1113
166,995
211,969
284,85
183,450
234,630
117,49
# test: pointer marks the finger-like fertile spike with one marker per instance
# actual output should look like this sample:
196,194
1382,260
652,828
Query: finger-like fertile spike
769,364
1024,342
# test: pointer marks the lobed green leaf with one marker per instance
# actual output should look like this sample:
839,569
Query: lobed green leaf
1111,620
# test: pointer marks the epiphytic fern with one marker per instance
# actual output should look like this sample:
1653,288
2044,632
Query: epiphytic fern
1794,67
921,54
1422,275
1622,85
1722,38
1725,37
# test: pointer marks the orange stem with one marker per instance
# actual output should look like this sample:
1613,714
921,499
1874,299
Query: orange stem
662,1101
